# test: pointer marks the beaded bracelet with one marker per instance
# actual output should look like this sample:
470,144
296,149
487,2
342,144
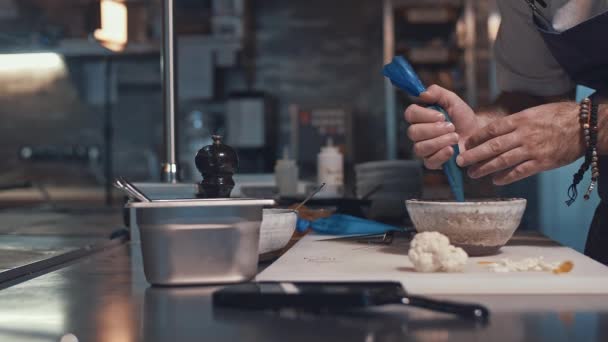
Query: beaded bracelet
592,146
585,122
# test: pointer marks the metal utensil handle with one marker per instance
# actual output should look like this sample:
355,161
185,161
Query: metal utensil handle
140,195
309,197
133,189
465,310
119,185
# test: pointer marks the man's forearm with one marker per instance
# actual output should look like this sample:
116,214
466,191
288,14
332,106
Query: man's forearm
493,112
513,102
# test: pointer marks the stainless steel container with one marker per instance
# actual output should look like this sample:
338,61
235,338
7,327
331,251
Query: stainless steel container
199,241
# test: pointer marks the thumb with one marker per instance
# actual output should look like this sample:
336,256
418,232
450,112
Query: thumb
441,96
429,96
458,110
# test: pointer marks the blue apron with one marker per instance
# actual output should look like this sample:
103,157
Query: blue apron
583,53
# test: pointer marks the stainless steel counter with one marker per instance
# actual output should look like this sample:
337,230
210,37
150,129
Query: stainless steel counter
34,235
105,298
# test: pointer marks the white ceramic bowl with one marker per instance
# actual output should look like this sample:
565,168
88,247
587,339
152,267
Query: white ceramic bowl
479,227
277,229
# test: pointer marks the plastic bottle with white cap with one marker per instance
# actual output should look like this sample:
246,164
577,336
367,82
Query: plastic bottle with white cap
330,170
286,175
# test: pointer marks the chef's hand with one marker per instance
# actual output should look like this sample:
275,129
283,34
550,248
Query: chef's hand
433,137
523,144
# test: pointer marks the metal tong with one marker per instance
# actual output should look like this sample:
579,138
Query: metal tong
131,190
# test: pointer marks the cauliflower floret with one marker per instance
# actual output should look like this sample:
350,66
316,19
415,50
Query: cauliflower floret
423,261
453,259
430,241
424,248
432,252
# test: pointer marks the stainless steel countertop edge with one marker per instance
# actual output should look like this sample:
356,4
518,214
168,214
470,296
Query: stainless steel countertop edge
195,202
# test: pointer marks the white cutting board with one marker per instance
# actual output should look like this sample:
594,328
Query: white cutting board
314,260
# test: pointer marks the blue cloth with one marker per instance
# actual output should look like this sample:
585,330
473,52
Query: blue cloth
339,224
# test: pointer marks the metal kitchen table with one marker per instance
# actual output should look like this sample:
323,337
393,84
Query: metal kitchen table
105,297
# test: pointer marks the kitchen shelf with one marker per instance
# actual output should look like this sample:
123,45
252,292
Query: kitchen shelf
92,48
423,56
425,15
85,48
436,37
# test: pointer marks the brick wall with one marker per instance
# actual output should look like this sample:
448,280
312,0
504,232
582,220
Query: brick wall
325,53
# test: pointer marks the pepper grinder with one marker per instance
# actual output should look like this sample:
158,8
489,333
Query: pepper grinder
216,163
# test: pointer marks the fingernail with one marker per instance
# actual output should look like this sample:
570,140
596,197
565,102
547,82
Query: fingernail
459,160
447,124
440,116
472,174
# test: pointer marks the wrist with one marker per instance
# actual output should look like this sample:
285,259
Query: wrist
574,125
487,116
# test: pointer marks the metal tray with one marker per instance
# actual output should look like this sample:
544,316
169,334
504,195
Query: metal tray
199,241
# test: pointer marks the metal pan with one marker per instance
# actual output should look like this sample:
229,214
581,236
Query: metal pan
202,241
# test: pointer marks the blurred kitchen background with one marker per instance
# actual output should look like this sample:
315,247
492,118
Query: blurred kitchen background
265,74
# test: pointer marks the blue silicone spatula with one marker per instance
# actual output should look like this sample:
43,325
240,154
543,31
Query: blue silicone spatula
402,76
